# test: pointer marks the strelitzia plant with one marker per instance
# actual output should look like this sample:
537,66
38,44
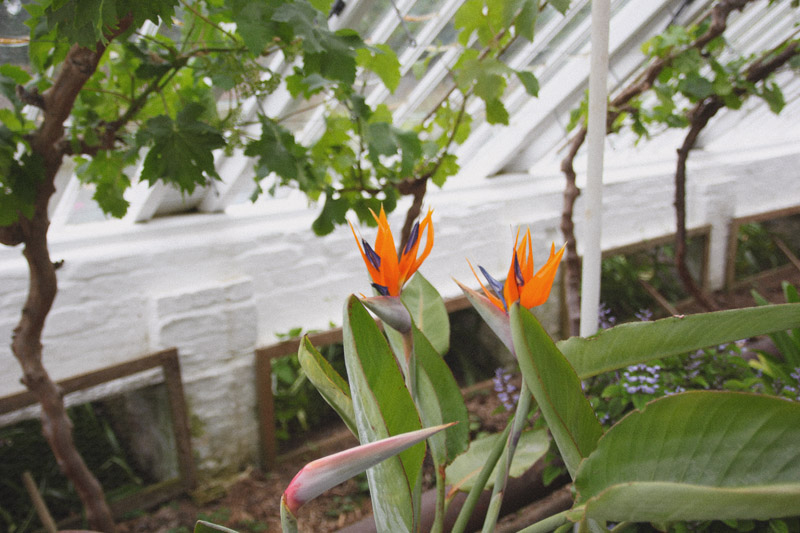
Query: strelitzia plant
397,382
648,466
524,287
689,456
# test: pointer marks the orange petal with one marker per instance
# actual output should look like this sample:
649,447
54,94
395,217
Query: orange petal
425,226
511,289
384,247
537,290
527,268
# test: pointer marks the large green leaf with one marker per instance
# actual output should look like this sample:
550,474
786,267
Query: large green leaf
181,150
383,407
428,312
697,456
328,382
556,388
440,399
633,343
462,472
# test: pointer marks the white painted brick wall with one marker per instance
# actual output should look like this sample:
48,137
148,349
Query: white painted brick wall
215,327
217,286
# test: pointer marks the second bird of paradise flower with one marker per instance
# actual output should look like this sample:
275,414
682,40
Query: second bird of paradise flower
521,283
388,271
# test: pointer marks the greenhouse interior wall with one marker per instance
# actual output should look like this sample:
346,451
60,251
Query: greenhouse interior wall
217,286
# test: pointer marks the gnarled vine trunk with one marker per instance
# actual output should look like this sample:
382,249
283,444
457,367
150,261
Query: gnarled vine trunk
49,146
621,103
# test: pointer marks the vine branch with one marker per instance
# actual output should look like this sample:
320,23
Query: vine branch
719,14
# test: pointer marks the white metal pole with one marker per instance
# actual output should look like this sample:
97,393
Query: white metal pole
592,193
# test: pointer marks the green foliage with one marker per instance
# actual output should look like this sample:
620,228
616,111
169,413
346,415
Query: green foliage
690,455
85,22
722,367
175,97
533,445
383,407
786,368
691,74
728,456
327,380
428,313
18,178
382,61
623,278
440,401
278,152
687,456
106,171
756,246
556,388
180,150
641,342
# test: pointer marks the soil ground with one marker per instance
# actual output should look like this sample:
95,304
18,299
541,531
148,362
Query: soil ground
250,501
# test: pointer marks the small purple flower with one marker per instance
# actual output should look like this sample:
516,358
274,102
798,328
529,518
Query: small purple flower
641,379
506,391
605,318
645,315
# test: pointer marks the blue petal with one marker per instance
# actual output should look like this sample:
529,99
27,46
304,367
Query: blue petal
412,238
518,271
382,289
372,256
496,286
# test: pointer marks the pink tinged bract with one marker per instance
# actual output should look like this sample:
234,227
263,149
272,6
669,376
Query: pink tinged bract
325,473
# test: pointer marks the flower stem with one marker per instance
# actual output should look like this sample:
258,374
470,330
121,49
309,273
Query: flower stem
438,519
520,418
480,482
548,524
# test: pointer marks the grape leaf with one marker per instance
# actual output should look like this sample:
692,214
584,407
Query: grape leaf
18,179
180,150
105,170
382,61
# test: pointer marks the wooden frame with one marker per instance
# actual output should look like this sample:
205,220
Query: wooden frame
168,361
266,400
733,237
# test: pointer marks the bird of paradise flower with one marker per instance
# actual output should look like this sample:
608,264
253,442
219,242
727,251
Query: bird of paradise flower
388,271
521,283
